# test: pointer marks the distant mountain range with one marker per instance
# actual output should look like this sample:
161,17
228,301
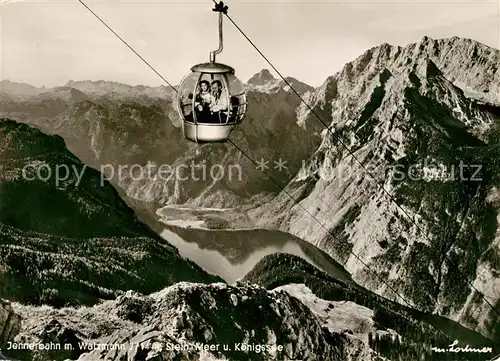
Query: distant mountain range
265,82
86,89
123,128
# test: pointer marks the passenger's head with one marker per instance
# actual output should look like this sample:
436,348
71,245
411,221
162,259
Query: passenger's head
204,85
216,86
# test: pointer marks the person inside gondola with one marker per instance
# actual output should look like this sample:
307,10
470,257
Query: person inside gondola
203,100
218,106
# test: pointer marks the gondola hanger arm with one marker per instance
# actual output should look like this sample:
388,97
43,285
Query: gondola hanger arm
221,9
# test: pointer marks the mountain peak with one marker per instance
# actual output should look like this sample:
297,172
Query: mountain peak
426,39
261,78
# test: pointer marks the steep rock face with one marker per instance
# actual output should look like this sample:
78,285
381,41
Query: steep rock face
66,237
10,323
185,316
107,133
41,181
399,114
468,64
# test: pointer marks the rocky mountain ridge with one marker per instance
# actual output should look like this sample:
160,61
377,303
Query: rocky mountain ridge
315,318
392,111
171,324
265,82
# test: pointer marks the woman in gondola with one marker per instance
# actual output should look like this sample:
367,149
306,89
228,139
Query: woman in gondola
204,99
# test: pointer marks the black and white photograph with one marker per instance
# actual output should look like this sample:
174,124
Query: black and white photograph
250,180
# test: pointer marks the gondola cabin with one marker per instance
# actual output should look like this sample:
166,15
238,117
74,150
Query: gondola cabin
211,102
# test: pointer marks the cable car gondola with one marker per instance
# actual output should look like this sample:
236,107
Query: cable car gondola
211,100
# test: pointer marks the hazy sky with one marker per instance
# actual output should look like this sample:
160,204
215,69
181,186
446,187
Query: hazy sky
50,42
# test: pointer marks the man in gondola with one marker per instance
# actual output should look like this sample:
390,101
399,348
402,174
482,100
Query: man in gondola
219,105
